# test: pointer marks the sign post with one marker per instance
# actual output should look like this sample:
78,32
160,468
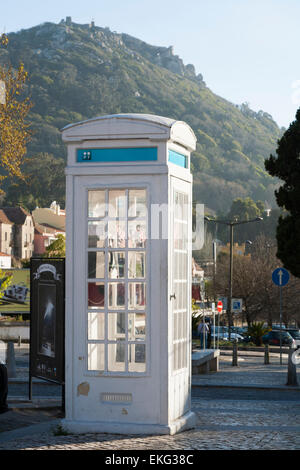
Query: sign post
219,308
280,277
213,307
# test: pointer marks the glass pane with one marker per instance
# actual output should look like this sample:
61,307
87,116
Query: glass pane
96,357
137,234
136,264
96,234
116,326
116,234
136,295
137,358
96,204
96,326
96,294
137,203
116,264
116,295
117,201
96,264
136,327
116,357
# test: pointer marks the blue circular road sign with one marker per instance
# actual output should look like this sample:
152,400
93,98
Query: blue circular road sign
280,276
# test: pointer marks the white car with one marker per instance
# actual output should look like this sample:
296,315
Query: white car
223,334
295,334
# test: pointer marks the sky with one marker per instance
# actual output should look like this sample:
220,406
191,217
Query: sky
246,50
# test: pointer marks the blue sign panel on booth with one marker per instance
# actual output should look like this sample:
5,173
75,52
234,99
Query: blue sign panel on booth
117,154
178,159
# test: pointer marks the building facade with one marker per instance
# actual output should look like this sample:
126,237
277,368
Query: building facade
22,239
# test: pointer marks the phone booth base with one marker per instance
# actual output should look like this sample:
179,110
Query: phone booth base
128,275
181,424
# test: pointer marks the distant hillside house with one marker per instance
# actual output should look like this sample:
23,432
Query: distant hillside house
236,248
52,217
6,234
22,231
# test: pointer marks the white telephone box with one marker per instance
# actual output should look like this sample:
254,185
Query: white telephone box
128,275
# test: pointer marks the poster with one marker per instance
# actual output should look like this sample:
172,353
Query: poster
16,297
47,319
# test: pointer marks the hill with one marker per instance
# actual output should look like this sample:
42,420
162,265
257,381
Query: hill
82,71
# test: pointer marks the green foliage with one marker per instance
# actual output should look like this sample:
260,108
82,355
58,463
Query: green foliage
57,249
4,282
44,182
256,331
195,318
286,166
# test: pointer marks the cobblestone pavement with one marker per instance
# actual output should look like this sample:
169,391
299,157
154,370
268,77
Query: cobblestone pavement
227,418
221,424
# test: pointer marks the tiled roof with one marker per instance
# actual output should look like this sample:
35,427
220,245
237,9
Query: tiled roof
4,219
16,215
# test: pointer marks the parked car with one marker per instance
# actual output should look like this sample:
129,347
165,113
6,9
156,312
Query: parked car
273,338
239,330
295,334
223,333
276,326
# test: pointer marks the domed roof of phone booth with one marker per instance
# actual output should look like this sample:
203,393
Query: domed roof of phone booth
131,126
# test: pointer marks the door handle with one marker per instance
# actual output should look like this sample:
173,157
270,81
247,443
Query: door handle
172,296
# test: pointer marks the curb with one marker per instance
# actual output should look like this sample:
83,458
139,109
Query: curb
249,387
36,403
23,381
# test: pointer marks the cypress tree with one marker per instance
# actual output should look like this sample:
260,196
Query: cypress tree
286,166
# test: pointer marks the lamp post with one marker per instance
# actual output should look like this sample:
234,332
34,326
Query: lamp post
231,224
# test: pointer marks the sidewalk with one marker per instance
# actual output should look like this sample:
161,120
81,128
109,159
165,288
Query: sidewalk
250,373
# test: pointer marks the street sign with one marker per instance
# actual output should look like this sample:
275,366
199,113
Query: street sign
220,306
224,302
236,305
280,277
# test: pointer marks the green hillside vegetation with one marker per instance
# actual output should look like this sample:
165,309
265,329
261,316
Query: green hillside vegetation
78,72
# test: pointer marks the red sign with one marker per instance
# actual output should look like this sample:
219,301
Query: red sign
220,306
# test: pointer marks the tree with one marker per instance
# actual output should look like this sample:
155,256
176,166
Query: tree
44,182
256,331
57,249
252,282
286,166
14,129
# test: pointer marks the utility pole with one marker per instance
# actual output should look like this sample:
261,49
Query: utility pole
231,224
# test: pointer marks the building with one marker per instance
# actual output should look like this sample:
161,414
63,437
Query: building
236,248
197,281
43,237
5,261
22,231
6,234
52,216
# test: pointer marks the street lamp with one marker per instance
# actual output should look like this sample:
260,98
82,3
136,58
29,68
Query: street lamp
231,224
